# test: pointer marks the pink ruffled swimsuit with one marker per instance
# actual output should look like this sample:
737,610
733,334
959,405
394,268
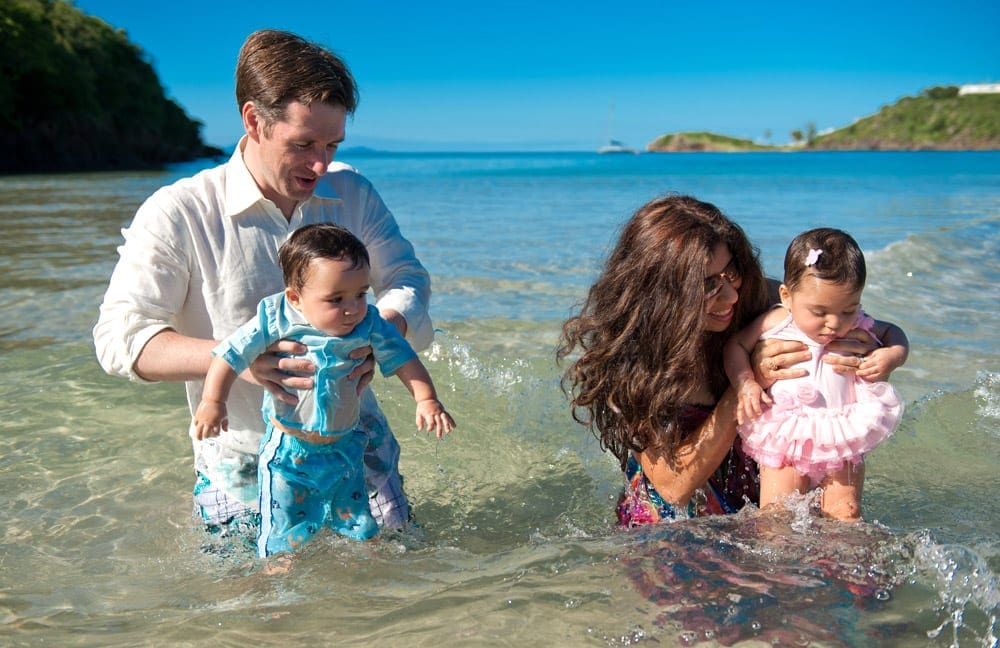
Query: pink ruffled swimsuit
823,419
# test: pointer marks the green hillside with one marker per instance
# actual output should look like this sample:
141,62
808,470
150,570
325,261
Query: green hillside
939,118
702,141
75,94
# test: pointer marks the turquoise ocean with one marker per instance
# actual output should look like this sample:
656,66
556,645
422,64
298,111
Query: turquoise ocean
516,542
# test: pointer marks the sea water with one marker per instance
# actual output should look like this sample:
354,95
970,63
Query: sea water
515,542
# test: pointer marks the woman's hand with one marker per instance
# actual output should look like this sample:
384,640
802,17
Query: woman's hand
276,372
772,357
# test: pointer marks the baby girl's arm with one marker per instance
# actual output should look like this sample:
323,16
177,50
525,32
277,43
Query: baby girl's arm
736,356
430,411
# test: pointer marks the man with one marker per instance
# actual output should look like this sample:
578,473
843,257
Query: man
202,252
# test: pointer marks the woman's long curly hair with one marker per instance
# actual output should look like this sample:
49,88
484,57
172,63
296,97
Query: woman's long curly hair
640,335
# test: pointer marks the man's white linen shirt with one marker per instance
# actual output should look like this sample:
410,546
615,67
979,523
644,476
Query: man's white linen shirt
202,252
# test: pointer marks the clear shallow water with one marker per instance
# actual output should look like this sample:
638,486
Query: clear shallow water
516,544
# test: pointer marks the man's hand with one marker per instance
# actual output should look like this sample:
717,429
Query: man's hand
395,318
771,357
277,373
365,371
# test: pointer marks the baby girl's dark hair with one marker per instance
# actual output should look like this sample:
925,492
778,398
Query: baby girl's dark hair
828,254
321,241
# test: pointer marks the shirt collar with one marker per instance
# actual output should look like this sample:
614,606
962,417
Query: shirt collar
242,191
294,315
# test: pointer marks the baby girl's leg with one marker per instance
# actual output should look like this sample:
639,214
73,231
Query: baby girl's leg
778,483
842,492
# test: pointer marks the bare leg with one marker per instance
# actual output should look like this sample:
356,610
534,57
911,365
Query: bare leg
778,483
842,492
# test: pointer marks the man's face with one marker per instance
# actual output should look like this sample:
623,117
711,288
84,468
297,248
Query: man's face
287,159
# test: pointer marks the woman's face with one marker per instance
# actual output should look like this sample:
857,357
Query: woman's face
722,285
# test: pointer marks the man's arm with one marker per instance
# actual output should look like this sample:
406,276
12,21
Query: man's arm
147,289
401,284
170,356
134,335
395,318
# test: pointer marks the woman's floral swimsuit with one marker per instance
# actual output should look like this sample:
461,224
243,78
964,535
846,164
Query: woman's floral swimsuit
735,483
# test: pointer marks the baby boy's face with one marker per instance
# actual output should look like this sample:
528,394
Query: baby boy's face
334,297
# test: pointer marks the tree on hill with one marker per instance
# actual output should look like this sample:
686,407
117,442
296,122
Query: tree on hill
76,94
810,133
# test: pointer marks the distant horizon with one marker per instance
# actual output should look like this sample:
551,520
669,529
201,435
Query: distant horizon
447,75
386,145
362,150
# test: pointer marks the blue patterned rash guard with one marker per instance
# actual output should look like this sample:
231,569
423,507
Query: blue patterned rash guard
333,405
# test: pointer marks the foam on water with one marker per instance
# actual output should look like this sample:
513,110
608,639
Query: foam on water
987,394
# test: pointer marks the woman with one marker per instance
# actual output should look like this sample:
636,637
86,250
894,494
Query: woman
648,377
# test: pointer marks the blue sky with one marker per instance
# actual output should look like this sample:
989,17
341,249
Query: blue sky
537,75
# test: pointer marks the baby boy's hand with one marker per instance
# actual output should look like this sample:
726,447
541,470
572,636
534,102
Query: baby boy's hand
431,413
209,418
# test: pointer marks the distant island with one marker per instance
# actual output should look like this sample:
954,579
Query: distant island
76,95
942,118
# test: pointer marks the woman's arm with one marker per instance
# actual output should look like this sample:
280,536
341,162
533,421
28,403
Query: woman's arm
696,460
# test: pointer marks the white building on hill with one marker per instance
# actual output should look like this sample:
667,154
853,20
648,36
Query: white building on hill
979,88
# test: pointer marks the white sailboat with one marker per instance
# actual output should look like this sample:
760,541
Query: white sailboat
613,145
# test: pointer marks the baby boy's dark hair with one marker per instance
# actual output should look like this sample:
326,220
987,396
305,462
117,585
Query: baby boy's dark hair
321,241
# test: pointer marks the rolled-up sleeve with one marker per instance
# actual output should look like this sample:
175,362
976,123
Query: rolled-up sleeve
147,288
400,281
